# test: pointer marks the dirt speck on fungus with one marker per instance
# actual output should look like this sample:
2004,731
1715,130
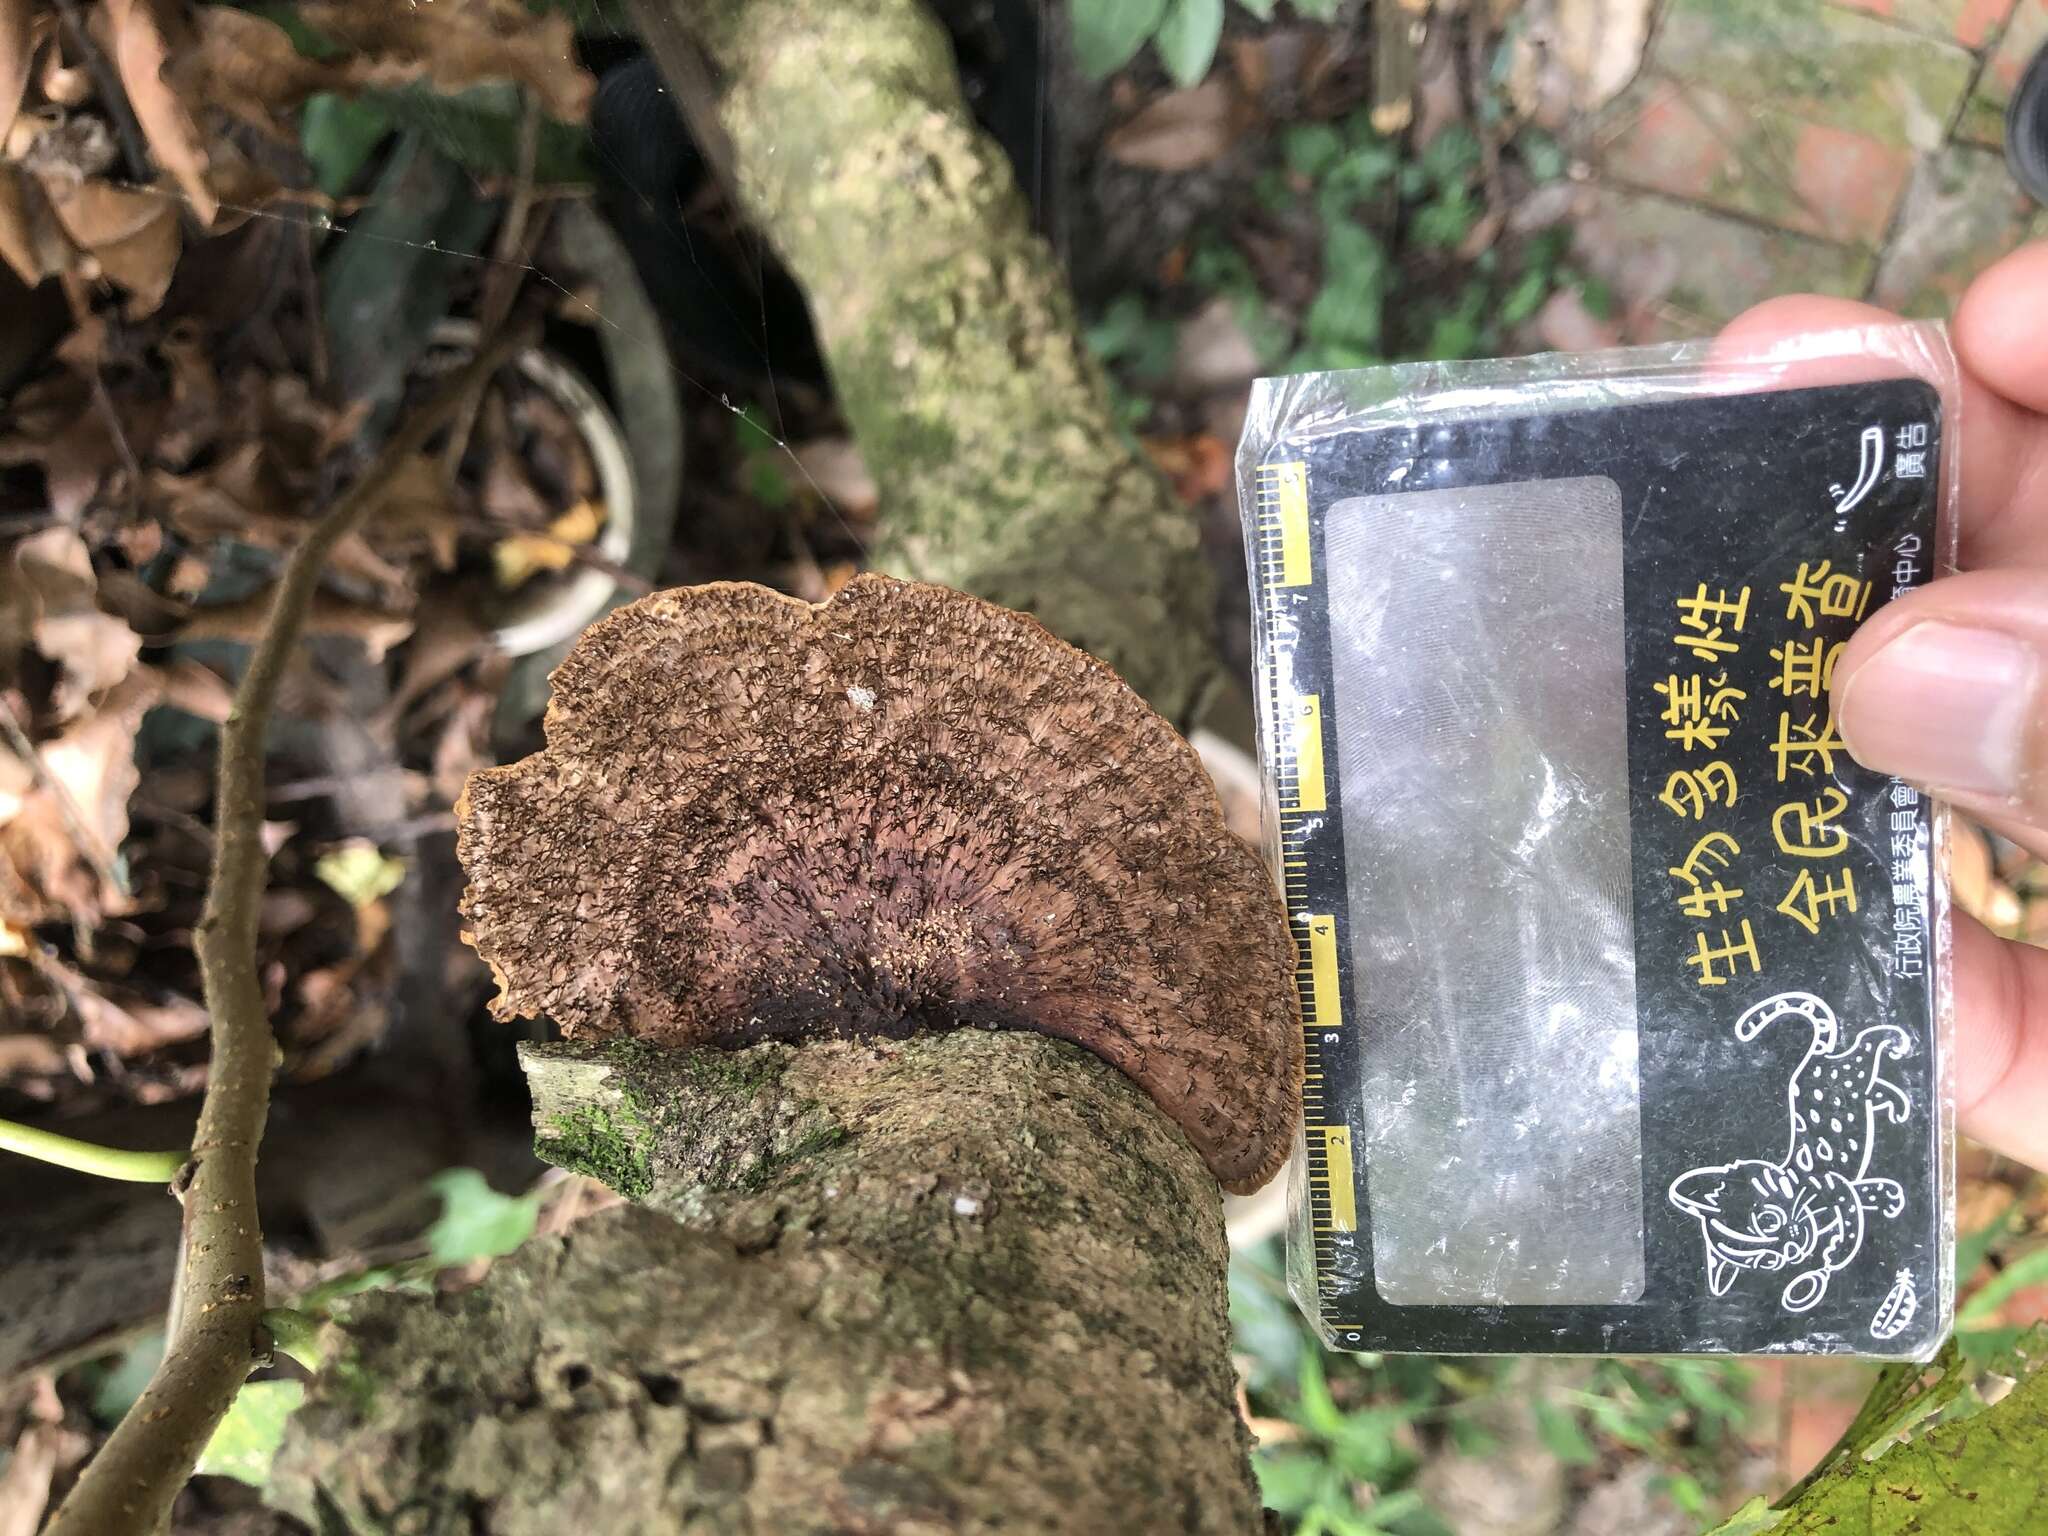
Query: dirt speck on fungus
903,810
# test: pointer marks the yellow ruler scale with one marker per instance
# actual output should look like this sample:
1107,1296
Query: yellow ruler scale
1309,790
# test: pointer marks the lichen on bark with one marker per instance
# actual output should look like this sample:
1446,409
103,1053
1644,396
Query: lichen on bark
968,1282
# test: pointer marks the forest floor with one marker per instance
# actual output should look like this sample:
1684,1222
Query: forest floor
237,278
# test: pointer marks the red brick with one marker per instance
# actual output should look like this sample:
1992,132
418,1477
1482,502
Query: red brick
1669,146
1848,184
1980,20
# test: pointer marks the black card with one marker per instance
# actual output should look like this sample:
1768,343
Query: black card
1699,1109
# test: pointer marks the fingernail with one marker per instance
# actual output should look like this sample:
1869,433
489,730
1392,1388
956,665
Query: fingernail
1944,705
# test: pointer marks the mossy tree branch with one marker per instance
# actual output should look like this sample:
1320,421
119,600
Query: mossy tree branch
964,1283
949,329
217,1306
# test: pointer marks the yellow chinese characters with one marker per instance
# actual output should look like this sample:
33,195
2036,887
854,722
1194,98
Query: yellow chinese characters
1807,830
1708,895
1807,747
1689,791
1818,590
1810,900
1813,833
1805,669
1705,956
1698,708
1700,620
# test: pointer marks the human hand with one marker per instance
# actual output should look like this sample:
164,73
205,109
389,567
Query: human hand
1947,687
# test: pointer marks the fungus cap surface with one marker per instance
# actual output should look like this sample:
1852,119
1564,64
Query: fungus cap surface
905,809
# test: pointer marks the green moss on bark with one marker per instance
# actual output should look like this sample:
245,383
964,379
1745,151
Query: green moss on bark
607,1145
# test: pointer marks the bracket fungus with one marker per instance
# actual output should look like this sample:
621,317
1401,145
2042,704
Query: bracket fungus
903,810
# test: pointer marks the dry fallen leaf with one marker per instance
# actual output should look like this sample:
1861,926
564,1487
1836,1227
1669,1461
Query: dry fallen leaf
510,498
245,496
520,557
29,1056
45,1448
1198,465
44,872
329,615
197,690
31,240
131,237
455,44
418,511
119,1019
464,744
1180,131
16,45
140,51
93,650
246,65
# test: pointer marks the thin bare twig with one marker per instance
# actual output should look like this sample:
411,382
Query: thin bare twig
501,286
104,402
218,1301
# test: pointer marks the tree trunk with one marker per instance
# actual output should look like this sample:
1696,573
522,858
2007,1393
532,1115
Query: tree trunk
969,1282
949,330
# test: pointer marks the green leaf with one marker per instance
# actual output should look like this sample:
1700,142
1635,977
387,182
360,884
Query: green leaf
1525,298
1109,33
297,1335
359,872
1290,1480
246,1441
1263,9
1685,1491
1985,1346
1452,156
1443,223
1312,149
125,1378
1541,155
476,1222
1365,167
1559,1429
1263,1323
1318,10
478,129
1131,337
1187,39
1598,297
1754,1518
2028,1269
339,135
1973,1247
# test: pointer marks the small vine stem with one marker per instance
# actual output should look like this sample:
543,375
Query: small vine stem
89,1157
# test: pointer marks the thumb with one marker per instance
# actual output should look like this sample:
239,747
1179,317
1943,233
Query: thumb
1945,687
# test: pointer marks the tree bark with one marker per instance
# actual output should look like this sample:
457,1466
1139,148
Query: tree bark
969,1282
949,330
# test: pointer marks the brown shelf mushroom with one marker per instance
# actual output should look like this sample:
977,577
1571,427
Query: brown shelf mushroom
905,809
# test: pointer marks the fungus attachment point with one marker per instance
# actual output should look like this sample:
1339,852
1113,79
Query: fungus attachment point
906,809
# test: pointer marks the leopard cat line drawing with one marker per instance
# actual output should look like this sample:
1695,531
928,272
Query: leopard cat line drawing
1805,1211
